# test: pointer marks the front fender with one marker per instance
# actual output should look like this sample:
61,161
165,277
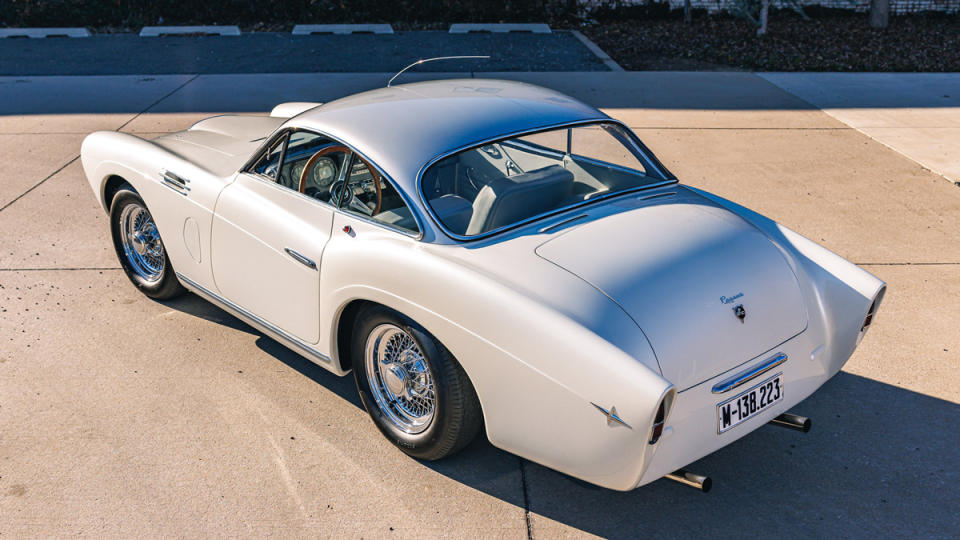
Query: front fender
182,219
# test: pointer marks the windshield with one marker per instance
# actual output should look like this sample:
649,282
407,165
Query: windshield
496,185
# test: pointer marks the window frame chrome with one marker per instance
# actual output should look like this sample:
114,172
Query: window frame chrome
669,178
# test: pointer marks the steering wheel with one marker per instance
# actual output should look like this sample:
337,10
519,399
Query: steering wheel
312,162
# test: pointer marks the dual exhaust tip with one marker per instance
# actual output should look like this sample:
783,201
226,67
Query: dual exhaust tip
704,483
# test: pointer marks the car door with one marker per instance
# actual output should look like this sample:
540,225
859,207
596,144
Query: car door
270,227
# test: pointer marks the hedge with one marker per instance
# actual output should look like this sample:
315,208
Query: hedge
135,13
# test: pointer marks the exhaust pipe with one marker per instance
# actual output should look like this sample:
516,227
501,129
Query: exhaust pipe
687,478
792,421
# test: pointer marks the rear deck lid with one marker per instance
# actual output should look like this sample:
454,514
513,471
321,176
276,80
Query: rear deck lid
680,267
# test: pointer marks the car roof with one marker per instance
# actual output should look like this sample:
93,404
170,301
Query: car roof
402,128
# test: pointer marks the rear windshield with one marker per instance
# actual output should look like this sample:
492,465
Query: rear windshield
491,187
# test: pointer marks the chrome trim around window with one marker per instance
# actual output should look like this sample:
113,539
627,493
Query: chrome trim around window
234,309
748,375
669,179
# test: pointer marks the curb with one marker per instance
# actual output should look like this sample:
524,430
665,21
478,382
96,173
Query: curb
211,30
597,51
309,29
44,32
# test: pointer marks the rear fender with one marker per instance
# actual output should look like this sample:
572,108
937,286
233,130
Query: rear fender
537,371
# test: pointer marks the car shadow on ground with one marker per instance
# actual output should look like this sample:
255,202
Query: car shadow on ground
880,460
198,307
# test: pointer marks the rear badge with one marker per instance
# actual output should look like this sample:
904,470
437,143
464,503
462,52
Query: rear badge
740,312
612,418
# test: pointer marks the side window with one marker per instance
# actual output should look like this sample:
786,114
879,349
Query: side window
370,195
269,163
313,164
307,163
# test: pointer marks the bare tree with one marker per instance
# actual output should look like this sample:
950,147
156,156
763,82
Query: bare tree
879,13
764,9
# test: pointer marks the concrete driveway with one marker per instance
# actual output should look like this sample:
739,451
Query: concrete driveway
121,416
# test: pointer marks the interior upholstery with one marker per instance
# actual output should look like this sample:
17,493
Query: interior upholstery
454,211
508,200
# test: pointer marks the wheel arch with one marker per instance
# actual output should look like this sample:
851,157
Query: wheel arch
342,350
111,185
343,331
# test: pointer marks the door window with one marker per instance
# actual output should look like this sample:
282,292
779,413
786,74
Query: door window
369,195
268,164
308,163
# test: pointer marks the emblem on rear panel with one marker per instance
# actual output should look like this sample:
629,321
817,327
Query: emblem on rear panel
740,312
612,418
730,299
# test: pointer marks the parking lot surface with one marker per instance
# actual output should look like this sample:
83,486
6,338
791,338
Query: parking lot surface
124,416
274,52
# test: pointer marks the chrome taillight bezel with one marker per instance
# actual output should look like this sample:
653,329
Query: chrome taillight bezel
660,419
868,320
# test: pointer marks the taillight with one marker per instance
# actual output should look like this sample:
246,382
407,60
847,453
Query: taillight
658,423
873,309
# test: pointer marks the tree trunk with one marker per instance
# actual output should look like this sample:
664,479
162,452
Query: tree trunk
764,8
687,12
879,13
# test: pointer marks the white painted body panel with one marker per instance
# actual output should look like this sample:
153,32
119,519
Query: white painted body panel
545,321
255,222
293,108
669,260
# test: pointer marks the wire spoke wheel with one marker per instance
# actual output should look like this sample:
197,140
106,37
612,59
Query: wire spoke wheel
141,243
400,378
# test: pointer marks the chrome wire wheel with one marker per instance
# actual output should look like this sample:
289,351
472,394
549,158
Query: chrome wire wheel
400,378
141,243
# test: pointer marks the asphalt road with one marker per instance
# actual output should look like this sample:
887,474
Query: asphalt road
121,416
272,52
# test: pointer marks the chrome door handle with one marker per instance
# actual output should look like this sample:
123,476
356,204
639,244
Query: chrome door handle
174,182
301,258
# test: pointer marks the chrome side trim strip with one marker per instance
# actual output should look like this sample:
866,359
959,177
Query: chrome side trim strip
234,309
747,376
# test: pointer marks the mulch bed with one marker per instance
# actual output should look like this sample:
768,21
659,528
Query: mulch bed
828,43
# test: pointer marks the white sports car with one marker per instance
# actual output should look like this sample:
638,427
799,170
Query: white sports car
491,255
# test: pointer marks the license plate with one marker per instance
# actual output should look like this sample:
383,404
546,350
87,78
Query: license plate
748,404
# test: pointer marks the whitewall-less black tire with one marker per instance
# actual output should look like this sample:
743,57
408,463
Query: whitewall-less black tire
414,390
139,248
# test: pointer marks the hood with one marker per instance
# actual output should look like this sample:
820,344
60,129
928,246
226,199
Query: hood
221,144
680,267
